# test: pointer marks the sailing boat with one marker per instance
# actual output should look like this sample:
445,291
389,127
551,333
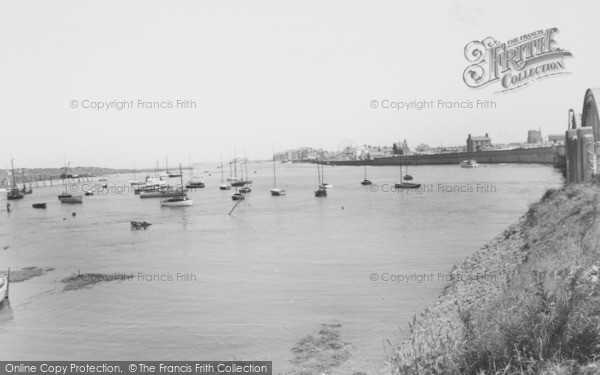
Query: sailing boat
223,185
237,196
171,174
14,192
407,177
365,181
275,191
405,185
235,181
135,181
179,200
323,184
194,184
322,190
65,197
247,183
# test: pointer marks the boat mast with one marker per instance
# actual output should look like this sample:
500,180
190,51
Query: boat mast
318,171
181,177
274,174
12,167
235,164
400,161
166,165
222,176
246,164
322,167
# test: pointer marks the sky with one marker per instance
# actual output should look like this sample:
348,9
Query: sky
267,74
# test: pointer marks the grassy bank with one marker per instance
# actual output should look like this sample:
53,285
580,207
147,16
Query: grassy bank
526,303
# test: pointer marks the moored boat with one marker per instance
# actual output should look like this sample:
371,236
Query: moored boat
14,192
65,197
321,192
238,196
277,192
68,198
193,183
322,189
407,185
223,185
180,201
365,181
39,205
469,164
162,193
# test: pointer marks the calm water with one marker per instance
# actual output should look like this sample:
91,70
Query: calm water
265,277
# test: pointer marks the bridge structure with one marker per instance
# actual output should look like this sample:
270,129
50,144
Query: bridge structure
582,140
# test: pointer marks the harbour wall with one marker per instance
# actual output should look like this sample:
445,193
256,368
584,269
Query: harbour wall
542,155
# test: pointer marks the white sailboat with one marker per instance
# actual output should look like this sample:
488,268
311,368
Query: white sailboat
135,181
275,191
181,200
321,190
195,183
405,185
223,185
323,184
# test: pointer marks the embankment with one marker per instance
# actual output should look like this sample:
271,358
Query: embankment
543,155
528,302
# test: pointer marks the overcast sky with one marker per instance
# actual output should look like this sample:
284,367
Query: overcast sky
289,73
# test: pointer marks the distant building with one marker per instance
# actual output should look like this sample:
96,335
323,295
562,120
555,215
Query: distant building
556,139
401,148
479,143
423,148
534,136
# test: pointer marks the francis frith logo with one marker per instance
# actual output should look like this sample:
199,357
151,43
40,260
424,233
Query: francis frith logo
516,62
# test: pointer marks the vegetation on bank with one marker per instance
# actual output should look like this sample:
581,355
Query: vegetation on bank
542,318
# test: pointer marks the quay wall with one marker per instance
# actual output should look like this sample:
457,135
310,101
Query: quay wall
543,155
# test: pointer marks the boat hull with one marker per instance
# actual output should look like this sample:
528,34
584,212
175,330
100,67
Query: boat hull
194,185
277,192
238,196
469,164
71,199
39,205
185,203
407,185
320,193
366,182
160,194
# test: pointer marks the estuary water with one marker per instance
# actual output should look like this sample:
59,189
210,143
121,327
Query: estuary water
211,286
